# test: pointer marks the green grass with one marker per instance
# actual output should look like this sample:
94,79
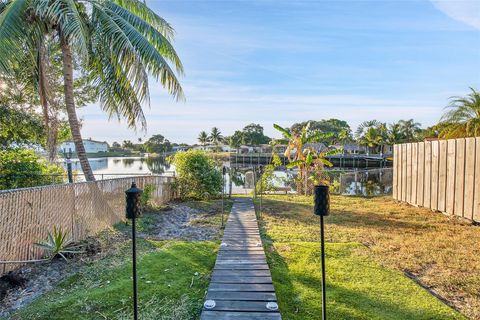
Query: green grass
173,277
358,288
371,243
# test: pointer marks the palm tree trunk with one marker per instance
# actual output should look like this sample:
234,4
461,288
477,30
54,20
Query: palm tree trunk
71,111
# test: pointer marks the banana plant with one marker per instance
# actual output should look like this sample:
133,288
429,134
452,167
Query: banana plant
309,162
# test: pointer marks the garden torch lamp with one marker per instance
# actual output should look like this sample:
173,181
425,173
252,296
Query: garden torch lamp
68,159
322,209
133,210
224,172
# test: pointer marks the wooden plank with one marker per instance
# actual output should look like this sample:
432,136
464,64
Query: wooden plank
395,172
246,273
241,296
434,176
404,172
242,306
442,175
240,279
219,315
264,287
476,191
460,178
408,196
413,199
451,163
421,173
234,266
427,184
469,189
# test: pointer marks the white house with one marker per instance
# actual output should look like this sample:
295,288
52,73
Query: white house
91,146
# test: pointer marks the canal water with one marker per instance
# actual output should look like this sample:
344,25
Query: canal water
349,182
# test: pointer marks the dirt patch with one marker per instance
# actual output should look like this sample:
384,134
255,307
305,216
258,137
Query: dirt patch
180,222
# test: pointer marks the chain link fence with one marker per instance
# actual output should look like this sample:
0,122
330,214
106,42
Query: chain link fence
81,209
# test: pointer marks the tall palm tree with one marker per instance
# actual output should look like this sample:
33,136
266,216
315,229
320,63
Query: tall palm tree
463,118
372,134
118,42
216,136
203,138
410,129
395,134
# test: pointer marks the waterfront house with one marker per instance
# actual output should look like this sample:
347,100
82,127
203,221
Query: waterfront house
91,146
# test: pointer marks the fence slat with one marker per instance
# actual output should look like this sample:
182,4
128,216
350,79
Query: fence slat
395,172
460,178
427,175
450,190
409,173
421,173
434,176
413,199
442,175
476,187
469,183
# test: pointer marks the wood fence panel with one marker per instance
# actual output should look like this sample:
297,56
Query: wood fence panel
469,184
434,176
459,177
442,175
450,190
409,173
404,172
413,199
427,181
476,191
421,173
395,164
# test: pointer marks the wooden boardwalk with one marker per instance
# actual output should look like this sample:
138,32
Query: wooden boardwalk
241,287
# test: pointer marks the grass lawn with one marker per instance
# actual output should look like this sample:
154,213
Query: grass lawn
173,276
372,243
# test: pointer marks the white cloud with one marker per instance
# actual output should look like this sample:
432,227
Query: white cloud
466,11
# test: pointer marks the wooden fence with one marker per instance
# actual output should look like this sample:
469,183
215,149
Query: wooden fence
81,209
442,175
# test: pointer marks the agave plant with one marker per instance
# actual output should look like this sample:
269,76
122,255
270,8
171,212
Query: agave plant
57,244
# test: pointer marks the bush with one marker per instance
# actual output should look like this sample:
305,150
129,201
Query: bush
22,168
147,195
197,175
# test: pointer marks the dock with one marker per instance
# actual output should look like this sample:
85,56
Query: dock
241,287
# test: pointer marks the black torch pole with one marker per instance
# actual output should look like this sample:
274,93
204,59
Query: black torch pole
324,290
134,267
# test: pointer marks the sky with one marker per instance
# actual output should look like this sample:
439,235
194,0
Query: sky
278,61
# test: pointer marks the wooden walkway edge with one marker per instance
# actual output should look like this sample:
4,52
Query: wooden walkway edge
241,286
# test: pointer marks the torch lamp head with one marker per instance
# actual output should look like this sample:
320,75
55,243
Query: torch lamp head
133,206
321,200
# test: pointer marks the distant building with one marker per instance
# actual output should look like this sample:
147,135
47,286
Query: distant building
350,148
91,146
316,146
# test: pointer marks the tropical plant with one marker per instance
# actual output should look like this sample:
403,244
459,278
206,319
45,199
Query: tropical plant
463,117
147,194
333,126
57,244
395,134
235,140
197,175
309,161
203,138
215,136
116,42
22,168
409,129
372,134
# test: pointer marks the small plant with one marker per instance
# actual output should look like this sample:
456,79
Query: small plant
58,245
147,194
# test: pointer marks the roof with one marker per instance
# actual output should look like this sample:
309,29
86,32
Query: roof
89,140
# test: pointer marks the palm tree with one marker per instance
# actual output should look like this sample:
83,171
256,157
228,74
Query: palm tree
216,136
203,138
372,134
117,42
395,134
409,129
463,118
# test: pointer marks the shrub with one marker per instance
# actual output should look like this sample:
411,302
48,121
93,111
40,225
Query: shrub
147,194
22,168
197,175
57,244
